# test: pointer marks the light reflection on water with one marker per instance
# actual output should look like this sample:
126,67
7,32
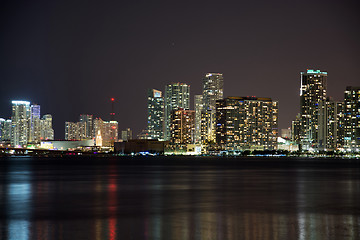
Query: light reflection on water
112,201
18,203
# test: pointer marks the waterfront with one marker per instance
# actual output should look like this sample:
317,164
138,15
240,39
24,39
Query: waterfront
179,198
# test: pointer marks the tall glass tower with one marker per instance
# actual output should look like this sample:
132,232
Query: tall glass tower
177,95
47,132
198,106
34,131
312,99
155,114
213,89
352,119
87,120
20,119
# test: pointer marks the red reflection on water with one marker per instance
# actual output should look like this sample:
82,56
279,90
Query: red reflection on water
112,187
112,228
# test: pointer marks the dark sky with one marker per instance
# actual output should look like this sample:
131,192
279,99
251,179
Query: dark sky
71,57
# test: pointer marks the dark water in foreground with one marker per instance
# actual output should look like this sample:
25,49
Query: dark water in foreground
179,198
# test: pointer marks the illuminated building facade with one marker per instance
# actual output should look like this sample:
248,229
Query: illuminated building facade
198,102
246,123
2,123
110,134
352,119
126,135
87,121
26,125
98,128
295,129
213,90
20,119
331,126
312,99
46,130
35,127
74,130
182,126
5,129
339,124
177,95
155,125
81,130
106,132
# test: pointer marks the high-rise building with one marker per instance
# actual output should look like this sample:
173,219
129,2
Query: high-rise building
35,128
182,127
82,130
98,128
295,129
71,131
312,99
5,129
177,95
339,125
74,131
213,90
87,120
330,130
155,125
2,121
110,134
247,123
106,132
126,135
20,119
47,132
352,119
198,106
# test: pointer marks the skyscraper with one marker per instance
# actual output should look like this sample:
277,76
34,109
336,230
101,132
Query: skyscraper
295,129
155,125
2,124
35,128
331,127
106,132
110,133
247,123
312,99
213,85
72,131
182,126
126,135
20,119
6,136
198,106
87,120
177,95
352,119
47,132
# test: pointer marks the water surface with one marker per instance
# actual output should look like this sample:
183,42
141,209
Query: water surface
179,198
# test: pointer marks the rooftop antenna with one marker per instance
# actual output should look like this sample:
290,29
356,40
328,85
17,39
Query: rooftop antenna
112,114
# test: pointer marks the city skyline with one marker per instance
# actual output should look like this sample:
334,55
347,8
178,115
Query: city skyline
180,119
179,92
75,57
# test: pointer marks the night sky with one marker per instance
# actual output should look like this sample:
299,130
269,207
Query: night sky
71,57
